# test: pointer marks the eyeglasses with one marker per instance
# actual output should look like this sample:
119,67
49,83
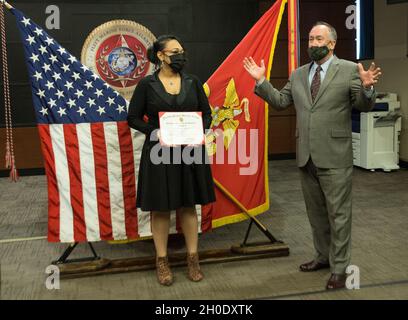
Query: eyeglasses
175,51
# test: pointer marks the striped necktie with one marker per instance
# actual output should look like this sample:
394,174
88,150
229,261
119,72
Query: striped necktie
315,86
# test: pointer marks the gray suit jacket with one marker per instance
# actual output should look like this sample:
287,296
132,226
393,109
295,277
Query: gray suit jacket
323,129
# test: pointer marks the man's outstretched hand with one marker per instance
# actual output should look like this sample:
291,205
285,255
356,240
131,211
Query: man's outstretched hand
369,77
256,72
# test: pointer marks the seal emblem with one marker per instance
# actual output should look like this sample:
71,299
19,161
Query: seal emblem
117,52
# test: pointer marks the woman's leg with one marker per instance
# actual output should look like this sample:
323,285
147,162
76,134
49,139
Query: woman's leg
189,225
160,230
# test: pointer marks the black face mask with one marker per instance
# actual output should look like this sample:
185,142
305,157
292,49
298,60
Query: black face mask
177,62
318,53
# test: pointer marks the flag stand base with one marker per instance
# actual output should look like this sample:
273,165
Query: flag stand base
106,266
64,257
259,247
94,266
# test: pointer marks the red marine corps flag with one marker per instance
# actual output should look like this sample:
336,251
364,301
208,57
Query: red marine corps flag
238,144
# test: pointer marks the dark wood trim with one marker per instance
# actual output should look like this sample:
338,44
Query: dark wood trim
24,172
282,156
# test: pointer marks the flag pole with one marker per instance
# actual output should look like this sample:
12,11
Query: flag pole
241,206
7,5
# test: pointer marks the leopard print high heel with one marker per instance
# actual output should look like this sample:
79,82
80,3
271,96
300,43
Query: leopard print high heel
164,274
194,271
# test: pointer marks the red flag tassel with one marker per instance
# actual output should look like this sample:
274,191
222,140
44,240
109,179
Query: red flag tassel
8,155
13,172
10,163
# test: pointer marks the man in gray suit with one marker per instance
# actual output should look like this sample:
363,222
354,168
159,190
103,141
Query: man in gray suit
323,93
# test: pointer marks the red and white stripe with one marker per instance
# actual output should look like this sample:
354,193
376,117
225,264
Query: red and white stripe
92,172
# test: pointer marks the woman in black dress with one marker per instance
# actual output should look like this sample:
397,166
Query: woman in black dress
173,185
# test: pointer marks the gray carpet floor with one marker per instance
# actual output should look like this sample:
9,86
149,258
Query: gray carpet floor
380,248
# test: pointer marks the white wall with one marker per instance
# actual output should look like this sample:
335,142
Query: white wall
391,49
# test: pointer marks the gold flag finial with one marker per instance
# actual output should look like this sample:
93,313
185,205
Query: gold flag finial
8,6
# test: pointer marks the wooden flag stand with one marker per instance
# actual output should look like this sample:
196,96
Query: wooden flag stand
95,265
105,266
64,257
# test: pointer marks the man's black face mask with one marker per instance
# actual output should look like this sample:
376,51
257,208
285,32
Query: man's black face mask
318,53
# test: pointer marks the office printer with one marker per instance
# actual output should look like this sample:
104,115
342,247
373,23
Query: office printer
376,134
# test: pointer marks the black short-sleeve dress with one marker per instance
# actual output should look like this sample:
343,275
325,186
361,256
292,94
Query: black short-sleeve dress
169,186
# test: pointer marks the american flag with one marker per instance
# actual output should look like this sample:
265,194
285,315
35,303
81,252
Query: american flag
91,156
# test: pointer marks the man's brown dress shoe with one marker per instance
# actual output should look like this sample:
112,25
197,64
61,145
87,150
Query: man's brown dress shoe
336,281
313,266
